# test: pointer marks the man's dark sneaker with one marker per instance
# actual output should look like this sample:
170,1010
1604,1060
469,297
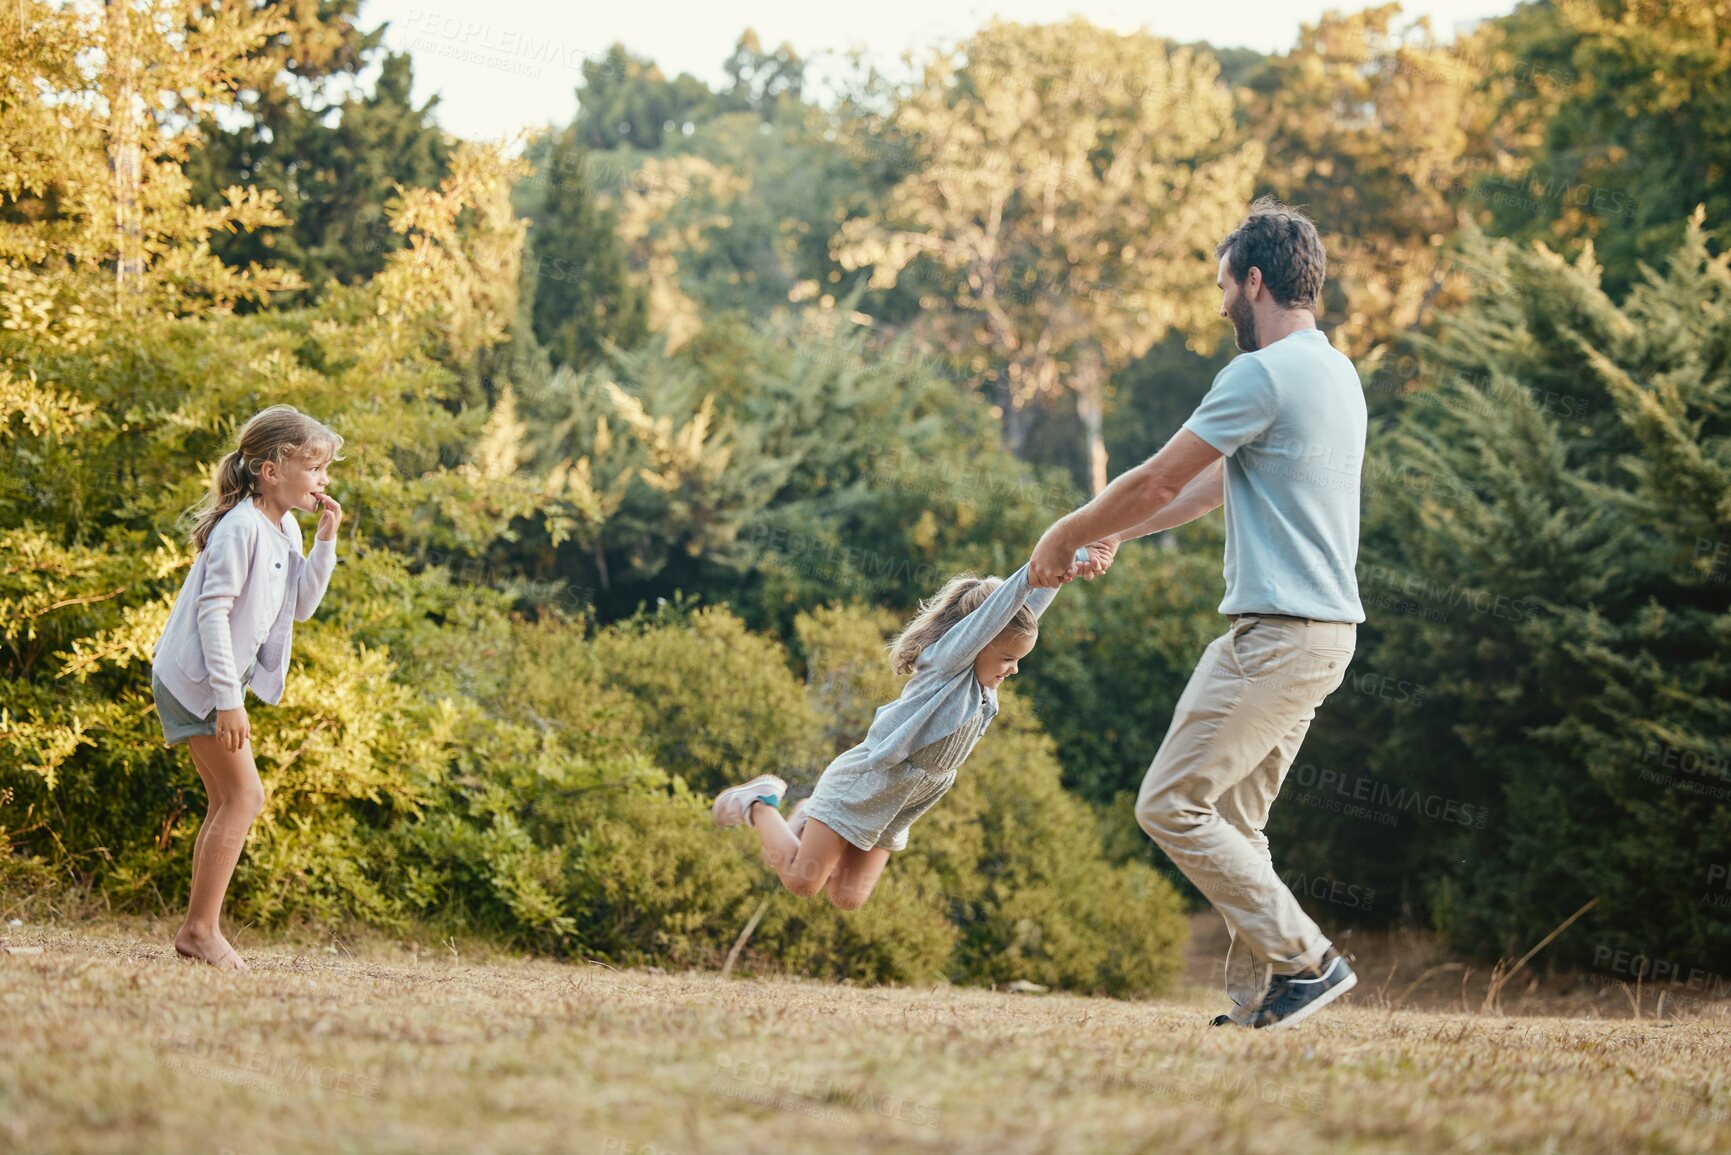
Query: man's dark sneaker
1293,998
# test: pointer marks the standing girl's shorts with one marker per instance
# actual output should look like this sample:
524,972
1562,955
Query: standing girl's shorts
180,723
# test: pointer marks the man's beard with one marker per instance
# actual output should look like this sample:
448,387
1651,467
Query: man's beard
1243,319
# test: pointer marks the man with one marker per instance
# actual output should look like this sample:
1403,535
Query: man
1279,440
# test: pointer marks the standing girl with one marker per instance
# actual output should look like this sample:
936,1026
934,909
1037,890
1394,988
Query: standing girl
960,648
231,627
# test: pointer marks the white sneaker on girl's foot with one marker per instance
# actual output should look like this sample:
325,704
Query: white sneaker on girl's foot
796,818
733,805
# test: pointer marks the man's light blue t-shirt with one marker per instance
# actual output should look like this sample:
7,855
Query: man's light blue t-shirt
1290,420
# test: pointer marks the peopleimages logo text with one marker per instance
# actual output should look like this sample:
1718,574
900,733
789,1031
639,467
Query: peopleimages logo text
1372,792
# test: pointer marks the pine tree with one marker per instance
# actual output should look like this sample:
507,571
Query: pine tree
1546,563
333,165
626,101
583,297
767,83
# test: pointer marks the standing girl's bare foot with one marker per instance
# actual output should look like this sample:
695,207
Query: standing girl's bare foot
211,948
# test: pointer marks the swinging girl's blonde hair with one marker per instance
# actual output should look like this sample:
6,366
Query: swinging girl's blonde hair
275,434
961,596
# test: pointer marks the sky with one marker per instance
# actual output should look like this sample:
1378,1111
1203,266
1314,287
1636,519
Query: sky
500,66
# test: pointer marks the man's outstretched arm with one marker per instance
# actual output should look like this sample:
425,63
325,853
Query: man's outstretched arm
1205,494
1135,498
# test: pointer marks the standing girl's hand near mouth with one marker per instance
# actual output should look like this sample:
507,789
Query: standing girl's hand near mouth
330,517
232,626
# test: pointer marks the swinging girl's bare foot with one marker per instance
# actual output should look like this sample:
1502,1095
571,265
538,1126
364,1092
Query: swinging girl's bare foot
207,948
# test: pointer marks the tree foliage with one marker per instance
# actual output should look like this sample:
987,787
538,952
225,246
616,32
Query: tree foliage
1547,574
1620,113
640,477
333,168
99,114
582,296
1379,131
1068,181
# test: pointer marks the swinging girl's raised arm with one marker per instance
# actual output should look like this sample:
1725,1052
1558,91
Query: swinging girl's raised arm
957,649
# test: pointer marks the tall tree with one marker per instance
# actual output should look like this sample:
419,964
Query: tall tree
767,83
671,213
97,115
583,295
1624,108
739,218
625,100
461,270
332,153
734,216
1379,131
1070,183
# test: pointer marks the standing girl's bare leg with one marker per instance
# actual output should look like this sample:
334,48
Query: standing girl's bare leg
213,790
236,797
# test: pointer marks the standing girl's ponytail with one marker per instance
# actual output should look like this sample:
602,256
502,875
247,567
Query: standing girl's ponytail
233,483
276,434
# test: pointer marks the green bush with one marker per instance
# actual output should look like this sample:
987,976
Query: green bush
716,703
905,934
848,672
442,760
653,881
1052,908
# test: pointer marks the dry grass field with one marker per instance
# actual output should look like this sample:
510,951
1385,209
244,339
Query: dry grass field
112,1046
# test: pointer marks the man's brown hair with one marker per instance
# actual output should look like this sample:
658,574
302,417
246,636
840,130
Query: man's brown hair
1284,244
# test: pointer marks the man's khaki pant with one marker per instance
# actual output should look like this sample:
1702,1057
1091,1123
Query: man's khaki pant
1206,798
